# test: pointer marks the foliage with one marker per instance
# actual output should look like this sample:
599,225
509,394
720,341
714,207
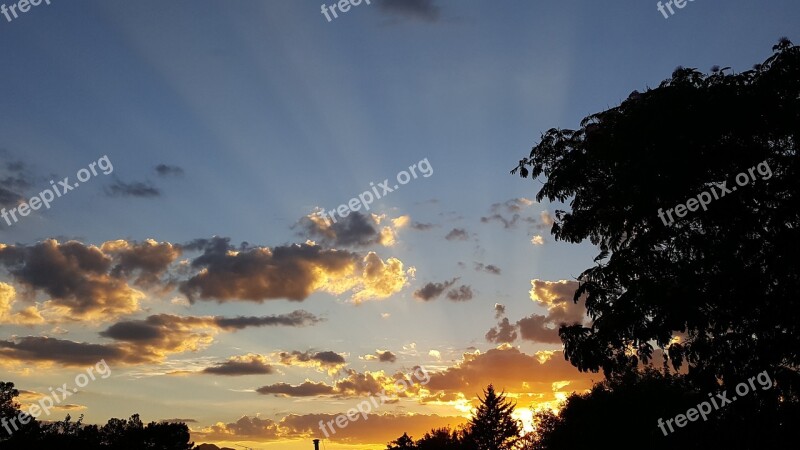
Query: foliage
724,280
116,434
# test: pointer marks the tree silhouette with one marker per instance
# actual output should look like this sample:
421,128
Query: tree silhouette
714,287
492,427
116,434
403,442
441,439
723,278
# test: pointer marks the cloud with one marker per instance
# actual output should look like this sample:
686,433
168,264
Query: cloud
389,232
546,218
70,407
27,316
40,349
15,179
538,328
250,364
355,384
504,332
491,268
499,310
298,318
376,428
457,234
382,356
306,389
290,272
556,297
246,427
460,294
507,368
355,230
419,226
164,170
140,189
432,290
160,335
424,10
149,259
327,361
537,240
179,420
509,212
77,278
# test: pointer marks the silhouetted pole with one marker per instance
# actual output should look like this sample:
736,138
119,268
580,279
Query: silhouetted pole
316,444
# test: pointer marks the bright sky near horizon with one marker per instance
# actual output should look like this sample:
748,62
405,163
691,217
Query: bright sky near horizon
190,259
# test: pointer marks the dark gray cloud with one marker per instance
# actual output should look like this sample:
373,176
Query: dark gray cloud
460,294
298,318
9,198
538,328
64,352
324,358
425,10
307,389
74,275
432,290
457,234
355,230
354,384
387,356
140,189
15,179
259,274
499,310
504,332
162,326
291,272
509,222
165,170
148,259
509,213
249,365
490,268
422,226
179,420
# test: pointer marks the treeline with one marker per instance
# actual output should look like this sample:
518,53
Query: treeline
624,412
491,427
21,431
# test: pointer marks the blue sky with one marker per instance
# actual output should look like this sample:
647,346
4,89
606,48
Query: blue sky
270,111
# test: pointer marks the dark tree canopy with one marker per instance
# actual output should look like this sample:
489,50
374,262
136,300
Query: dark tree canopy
623,413
403,442
726,279
117,434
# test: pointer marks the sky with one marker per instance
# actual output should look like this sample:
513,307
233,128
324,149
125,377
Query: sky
185,259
